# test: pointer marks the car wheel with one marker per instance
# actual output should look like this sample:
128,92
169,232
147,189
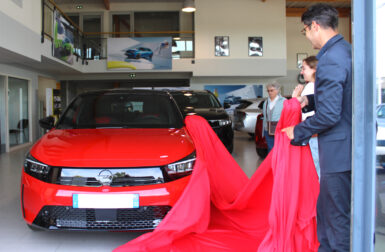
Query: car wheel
261,152
137,56
33,228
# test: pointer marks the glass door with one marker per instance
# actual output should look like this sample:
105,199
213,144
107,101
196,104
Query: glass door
2,114
18,114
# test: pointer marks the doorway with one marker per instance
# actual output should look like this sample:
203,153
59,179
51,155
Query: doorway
18,111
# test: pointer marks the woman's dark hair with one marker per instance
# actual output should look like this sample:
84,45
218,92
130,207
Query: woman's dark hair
323,14
312,62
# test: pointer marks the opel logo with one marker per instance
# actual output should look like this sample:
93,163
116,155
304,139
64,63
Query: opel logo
105,177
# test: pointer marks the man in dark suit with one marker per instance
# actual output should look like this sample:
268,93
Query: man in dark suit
332,121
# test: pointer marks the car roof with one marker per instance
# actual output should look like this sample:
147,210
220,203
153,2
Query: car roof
127,91
189,91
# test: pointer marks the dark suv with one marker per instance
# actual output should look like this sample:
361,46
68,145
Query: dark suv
205,104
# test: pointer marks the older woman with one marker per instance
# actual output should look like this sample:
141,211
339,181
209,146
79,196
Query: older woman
272,109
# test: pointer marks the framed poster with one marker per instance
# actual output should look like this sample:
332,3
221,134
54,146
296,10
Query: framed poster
300,58
222,46
255,46
139,53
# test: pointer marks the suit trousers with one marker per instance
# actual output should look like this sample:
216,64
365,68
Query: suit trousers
333,212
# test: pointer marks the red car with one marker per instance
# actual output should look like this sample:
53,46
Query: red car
260,142
116,160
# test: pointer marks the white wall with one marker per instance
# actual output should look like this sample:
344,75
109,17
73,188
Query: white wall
43,84
28,14
18,37
239,20
297,43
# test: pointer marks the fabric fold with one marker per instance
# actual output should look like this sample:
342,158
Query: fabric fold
222,209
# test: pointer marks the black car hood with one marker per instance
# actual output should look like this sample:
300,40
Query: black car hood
207,113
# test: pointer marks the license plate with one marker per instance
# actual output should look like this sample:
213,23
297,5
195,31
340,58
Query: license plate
105,201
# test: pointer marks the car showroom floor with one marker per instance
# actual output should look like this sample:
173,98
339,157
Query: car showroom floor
16,236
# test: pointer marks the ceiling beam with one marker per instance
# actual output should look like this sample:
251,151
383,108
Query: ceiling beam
107,4
297,12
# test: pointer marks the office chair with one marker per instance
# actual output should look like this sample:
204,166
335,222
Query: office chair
21,125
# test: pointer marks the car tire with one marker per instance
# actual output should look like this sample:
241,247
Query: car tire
33,228
261,152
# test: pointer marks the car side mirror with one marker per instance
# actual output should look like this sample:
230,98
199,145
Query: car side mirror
47,122
226,105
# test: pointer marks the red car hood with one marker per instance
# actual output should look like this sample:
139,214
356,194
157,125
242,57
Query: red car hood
112,147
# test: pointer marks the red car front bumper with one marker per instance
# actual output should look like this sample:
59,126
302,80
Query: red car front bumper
51,206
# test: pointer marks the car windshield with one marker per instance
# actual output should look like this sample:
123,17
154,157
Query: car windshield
121,111
244,104
196,100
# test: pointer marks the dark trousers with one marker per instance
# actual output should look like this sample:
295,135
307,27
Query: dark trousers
269,141
333,212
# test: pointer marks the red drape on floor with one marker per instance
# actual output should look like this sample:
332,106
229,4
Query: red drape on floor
222,209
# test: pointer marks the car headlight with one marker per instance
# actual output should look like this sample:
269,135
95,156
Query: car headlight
183,166
224,122
220,122
36,168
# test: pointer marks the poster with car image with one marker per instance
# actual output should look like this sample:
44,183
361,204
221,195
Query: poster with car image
63,40
139,53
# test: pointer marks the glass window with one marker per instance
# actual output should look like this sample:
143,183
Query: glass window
92,23
121,23
18,111
380,148
156,22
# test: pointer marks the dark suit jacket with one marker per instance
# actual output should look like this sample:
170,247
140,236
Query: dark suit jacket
332,102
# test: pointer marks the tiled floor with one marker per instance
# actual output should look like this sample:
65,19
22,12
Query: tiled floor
15,236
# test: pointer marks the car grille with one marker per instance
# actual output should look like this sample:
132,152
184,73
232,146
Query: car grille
66,217
114,177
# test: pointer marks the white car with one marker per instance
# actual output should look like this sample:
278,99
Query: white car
245,115
380,147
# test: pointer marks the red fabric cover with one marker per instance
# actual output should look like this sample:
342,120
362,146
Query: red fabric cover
222,209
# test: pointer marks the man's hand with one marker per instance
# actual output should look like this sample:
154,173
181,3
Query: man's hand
289,132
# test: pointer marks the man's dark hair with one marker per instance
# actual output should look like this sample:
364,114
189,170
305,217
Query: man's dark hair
323,14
